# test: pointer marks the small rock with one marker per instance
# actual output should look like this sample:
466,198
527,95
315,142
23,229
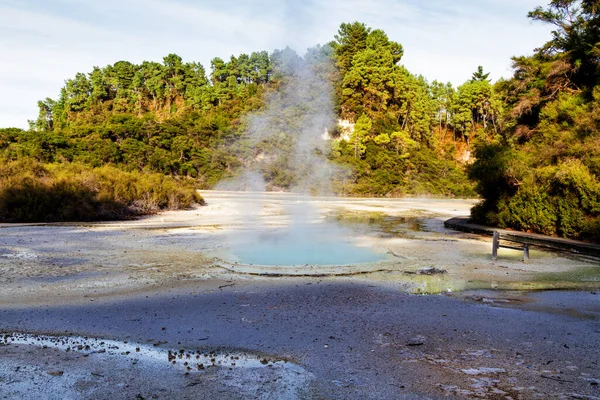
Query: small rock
56,372
416,341
431,271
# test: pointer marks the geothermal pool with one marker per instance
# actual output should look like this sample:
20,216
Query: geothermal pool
290,230
321,243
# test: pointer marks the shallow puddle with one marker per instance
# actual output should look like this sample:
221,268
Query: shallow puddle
384,224
183,359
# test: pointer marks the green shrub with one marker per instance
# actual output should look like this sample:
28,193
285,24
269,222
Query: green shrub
559,200
32,192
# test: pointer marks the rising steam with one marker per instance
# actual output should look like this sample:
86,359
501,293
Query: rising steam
287,140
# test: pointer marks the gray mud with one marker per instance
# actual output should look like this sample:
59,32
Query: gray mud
345,340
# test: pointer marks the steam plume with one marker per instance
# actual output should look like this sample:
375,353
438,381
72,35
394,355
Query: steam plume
287,140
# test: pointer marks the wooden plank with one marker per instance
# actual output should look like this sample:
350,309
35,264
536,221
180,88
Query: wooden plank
504,246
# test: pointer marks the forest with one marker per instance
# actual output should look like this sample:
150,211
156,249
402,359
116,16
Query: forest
528,146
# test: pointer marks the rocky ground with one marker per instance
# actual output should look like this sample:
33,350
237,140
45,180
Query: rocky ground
131,310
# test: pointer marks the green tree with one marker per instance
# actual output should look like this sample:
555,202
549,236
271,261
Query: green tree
350,39
576,38
442,95
360,135
78,92
474,104
44,121
154,82
369,83
479,75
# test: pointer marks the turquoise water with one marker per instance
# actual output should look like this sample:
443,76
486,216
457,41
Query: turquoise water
322,245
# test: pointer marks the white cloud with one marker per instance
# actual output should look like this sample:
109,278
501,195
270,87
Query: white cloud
45,42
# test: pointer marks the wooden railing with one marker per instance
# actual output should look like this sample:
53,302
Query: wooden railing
526,239
496,245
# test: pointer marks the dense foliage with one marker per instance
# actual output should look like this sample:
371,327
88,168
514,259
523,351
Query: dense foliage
406,129
542,173
165,118
33,192
171,118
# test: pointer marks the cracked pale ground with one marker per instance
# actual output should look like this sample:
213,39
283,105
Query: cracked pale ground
128,280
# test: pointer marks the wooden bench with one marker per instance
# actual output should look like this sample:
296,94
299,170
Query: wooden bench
496,245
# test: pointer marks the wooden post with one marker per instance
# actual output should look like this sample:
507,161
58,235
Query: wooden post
495,245
525,252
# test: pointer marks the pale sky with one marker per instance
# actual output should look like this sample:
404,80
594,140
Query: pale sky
45,42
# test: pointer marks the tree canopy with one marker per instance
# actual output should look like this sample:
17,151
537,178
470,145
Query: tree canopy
541,174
